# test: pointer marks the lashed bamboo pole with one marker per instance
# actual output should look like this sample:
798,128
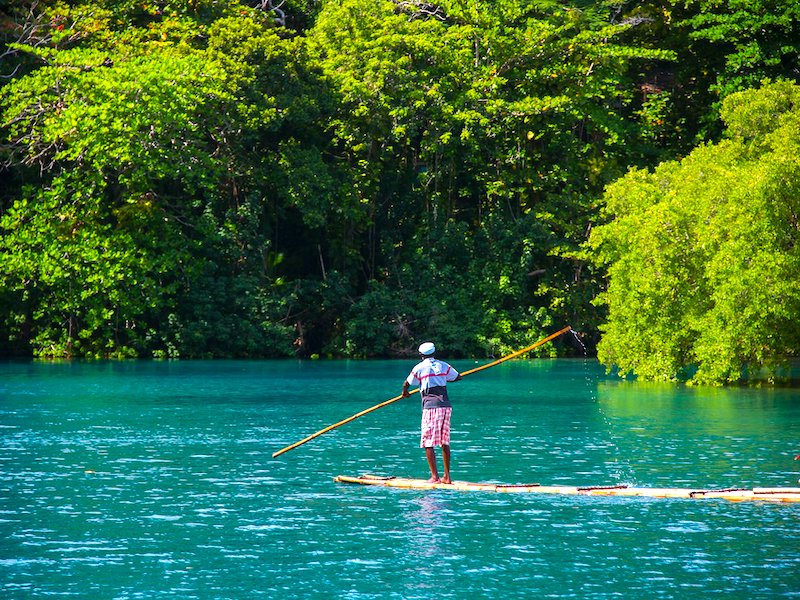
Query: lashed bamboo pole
396,398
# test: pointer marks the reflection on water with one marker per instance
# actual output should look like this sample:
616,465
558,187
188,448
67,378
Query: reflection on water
426,522
429,543
155,480
698,436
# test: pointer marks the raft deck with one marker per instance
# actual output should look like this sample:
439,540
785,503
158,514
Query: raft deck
789,494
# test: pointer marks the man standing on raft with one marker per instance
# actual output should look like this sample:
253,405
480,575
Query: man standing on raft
432,375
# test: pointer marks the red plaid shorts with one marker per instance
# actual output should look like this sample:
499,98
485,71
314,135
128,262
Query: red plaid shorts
435,427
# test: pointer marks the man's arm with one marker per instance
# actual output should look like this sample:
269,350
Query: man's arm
405,393
457,378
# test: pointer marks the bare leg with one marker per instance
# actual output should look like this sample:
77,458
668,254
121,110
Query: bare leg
446,460
430,454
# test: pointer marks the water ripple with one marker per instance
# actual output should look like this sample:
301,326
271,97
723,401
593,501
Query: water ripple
155,480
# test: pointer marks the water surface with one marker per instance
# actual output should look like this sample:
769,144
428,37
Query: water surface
155,480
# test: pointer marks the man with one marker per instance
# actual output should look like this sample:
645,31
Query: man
432,375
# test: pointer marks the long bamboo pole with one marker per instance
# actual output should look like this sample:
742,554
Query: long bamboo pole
414,391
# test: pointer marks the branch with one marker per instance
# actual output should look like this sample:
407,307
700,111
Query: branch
637,20
632,21
26,26
420,10
275,7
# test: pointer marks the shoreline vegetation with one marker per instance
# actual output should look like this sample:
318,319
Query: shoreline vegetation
195,179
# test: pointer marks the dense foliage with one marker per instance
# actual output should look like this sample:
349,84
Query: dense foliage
202,178
703,257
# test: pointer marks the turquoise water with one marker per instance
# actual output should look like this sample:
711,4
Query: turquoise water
155,480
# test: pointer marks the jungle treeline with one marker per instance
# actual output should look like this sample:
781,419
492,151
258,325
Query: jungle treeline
348,178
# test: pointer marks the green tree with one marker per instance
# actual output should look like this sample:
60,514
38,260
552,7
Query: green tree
478,136
155,155
338,177
751,39
722,46
702,255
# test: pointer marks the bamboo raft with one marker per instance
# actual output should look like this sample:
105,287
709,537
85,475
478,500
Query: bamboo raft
789,494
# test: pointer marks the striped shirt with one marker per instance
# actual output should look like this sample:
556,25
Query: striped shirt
431,376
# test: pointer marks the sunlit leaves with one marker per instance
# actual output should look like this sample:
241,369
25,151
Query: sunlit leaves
83,285
269,189
147,168
513,111
703,255
758,38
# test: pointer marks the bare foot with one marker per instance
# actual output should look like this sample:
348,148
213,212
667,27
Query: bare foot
434,480
447,480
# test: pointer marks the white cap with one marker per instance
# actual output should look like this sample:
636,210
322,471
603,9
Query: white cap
427,349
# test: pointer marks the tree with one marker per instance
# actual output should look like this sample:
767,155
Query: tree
336,178
146,231
751,39
478,135
722,46
702,255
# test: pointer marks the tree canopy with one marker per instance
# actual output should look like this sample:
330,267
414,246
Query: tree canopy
702,254
193,178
